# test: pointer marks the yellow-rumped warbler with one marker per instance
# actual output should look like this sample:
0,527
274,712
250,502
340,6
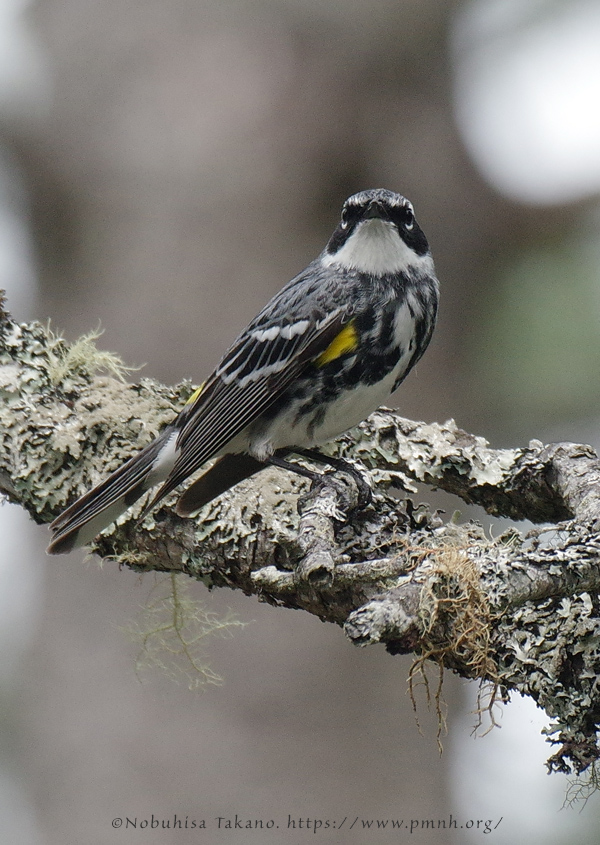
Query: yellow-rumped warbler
323,354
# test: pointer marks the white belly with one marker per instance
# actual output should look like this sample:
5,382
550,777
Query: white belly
351,407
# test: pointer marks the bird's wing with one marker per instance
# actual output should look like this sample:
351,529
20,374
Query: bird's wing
262,362
251,376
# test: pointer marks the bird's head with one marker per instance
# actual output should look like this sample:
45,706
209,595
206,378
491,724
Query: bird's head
378,234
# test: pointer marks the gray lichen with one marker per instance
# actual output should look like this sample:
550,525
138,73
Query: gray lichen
519,612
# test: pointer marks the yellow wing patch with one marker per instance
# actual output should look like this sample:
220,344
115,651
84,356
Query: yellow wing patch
345,341
196,394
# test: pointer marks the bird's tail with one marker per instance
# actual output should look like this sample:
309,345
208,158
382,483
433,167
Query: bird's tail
224,474
99,507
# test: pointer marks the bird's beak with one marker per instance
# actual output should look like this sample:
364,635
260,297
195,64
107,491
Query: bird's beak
375,211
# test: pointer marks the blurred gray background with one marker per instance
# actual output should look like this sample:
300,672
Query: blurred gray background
164,168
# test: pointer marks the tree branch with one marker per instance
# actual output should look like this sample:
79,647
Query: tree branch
520,612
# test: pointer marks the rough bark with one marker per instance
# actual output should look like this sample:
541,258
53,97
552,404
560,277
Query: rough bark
521,612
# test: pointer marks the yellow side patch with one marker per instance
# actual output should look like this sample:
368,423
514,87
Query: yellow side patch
195,394
345,341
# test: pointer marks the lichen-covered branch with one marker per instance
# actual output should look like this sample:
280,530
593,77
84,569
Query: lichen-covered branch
521,612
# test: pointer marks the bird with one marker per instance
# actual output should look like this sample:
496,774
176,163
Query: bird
323,354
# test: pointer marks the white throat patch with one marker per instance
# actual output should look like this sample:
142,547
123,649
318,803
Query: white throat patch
375,247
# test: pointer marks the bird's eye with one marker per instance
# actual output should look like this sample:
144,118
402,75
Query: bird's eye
408,219
344,222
